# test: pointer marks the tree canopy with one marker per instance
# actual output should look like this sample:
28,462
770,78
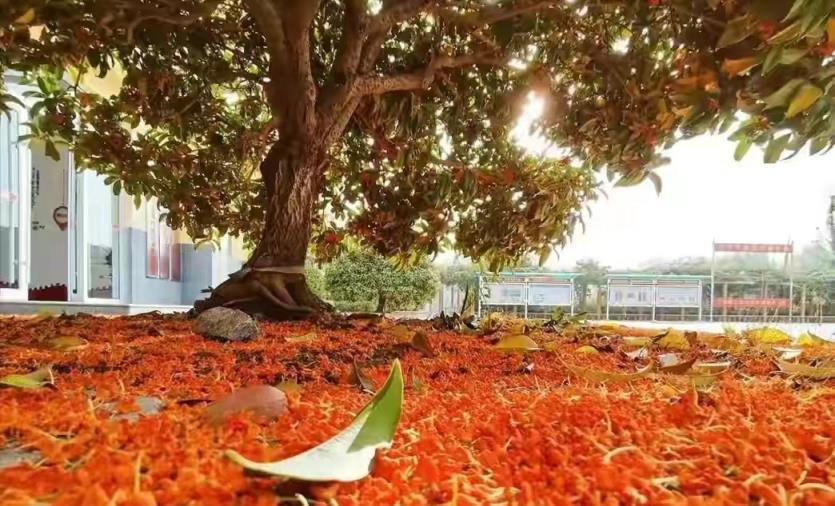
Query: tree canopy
409,105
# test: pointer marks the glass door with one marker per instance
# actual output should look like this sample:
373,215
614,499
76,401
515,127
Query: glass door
97,240
14,208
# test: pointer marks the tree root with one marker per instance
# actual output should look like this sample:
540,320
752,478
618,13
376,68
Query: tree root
275,295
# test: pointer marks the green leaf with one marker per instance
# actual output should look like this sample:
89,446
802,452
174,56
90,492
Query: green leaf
117,188
52,151
742,148
736,30
6,98
787,34
817,145
775,148
772,60
348,455
804,99
789,56
795,9
781,97
35,379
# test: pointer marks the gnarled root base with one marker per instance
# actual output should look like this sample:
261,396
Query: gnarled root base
274,295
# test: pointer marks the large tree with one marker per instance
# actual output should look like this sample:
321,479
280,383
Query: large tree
297,120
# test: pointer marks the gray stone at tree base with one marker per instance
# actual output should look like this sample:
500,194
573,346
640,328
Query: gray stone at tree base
225,323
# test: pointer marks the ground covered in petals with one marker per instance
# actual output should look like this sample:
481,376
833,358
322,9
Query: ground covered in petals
568,424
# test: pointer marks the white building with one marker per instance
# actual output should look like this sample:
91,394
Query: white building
67,243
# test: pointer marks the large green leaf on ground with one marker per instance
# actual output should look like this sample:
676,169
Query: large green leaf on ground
349,455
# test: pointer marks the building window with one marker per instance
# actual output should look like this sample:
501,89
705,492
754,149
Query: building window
10,216
102,238
162,254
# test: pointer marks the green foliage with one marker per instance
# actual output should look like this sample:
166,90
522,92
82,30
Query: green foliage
367,281
431,165
315,279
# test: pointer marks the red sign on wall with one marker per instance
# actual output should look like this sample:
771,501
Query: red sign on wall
752,247
731,303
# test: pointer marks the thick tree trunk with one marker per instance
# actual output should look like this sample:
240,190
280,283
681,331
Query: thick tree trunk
272,282
292,178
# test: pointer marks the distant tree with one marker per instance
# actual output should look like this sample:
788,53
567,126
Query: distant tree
591,273
739,263
366,280
465,277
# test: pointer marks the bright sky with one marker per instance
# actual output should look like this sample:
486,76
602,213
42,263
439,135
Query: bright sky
706,195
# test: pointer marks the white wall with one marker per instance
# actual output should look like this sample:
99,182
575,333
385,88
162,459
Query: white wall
49,243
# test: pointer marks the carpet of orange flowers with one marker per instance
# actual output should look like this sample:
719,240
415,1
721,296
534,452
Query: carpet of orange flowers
478,426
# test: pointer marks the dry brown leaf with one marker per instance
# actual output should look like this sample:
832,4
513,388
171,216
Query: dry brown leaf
421,343
401,332
304,338
263,401
359,378
680,367
806,371
712,367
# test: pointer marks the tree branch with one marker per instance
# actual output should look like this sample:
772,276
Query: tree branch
340,82
285,25
489,14
268,19
393,13
354,31
202,11
423,78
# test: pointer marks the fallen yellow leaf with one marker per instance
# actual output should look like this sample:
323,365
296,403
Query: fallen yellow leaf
519,342
810,339
768,335
66,343
675,340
